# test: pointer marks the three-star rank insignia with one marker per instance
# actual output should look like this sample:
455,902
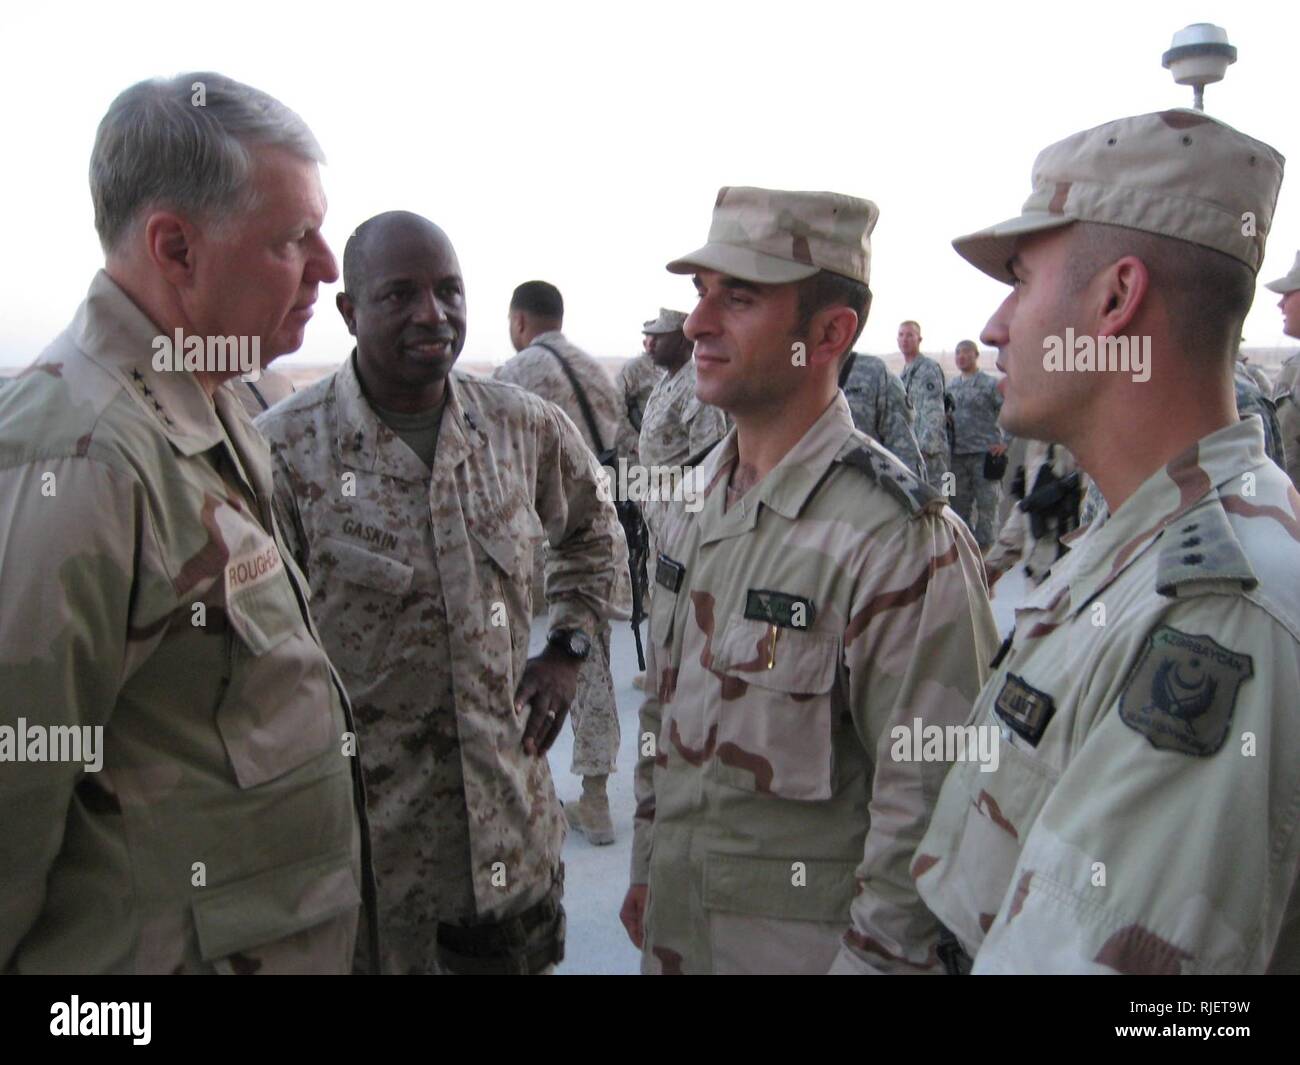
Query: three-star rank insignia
1182,692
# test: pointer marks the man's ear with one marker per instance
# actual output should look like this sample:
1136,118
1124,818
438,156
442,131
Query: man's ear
1120,294
169,243
832,334
349,312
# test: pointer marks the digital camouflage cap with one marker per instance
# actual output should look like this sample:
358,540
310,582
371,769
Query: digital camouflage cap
667,322
772,237
1179,174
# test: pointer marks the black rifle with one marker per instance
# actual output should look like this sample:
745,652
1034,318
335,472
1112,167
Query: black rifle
629,514
1053,499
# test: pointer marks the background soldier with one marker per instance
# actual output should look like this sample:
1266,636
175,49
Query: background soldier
822,596
923,379
1284,389
548,365
1048,497
1142,818
145,590
413,497
635,381
976,404
880,408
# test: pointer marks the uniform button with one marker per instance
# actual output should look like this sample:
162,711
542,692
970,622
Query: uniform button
1191,541
1192,559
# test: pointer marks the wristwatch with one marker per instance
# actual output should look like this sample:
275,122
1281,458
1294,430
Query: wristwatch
573,642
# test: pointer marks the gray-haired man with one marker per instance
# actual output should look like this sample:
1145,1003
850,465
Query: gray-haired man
148,607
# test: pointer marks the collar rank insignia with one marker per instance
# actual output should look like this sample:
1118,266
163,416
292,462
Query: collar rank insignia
779,609
1026,710
1182,692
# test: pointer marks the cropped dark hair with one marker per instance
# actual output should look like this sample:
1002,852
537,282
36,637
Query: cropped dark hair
540,298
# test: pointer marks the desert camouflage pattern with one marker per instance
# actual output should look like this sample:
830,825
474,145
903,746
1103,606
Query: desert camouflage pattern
262,394
150,593
1251,399
1287,402
880,408
775,236
772,826
635,381
924,382
420,584
676,427
1131,827
1016,544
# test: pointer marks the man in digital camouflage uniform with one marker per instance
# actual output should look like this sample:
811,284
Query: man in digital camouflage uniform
880,408
413,497
635,381
820,599
1284,388
146,590
1142,818
536,324
976,403
924,381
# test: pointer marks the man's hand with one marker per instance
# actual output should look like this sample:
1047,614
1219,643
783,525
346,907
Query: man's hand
633,914
549,683
998,449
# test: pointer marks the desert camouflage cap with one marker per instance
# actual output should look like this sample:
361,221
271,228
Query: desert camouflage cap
1175,173
1290,283
667,322
772,237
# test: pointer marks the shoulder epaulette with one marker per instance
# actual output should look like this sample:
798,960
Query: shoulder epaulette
914,494
1201,546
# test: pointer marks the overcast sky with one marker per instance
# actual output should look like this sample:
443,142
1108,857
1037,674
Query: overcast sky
583,143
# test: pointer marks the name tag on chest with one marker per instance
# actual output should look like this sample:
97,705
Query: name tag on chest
779,609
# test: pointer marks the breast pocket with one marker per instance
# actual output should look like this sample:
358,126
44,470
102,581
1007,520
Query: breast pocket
358,604
279,710
505,538
776,714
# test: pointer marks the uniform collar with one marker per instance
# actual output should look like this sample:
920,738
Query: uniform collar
1170,495
366,443
117,336
553,336
787,486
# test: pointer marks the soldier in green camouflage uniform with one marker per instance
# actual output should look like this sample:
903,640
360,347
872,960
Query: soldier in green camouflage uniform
924,381
822,597
146,590
880,408
1142,819
536,320
414,497
976,403
1285,398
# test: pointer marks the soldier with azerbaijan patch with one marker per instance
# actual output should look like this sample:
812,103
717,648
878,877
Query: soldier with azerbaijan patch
146,591
880,408
414,496
924,381
1142,818
820,598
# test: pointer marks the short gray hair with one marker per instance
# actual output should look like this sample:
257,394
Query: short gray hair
183,143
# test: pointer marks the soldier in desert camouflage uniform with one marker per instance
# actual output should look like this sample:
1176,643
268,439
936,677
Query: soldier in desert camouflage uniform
976,403
677,426
821,597
414,497
1035,538
1142,819
536,320
880,408
635,381
923,379
1285,397
145,588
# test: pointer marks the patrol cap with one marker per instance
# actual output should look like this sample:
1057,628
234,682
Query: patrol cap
1174,173
773,237
667,322
1290,283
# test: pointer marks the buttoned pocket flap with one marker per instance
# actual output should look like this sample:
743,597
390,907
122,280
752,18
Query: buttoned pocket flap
779,659
367,568
798,889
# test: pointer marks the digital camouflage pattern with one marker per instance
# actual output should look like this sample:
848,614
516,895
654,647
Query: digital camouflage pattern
1251,399
1142,818
788,635
594,715
676,426
1016,544
1287,403
923,379
144,588
977,404
636,380
420,584
262,394
880,408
